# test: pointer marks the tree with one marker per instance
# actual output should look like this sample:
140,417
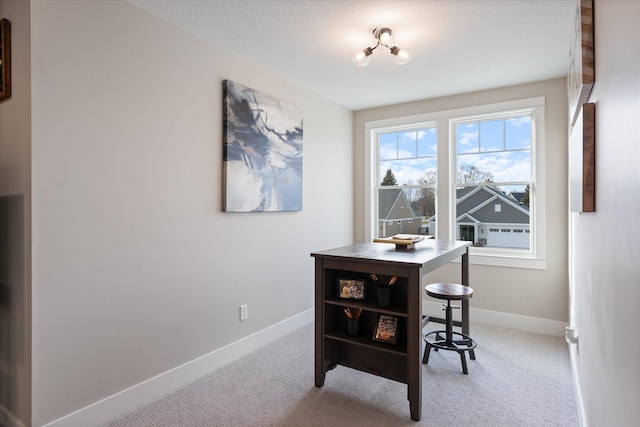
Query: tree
426,203
429,177
525,198
389,178
412,193
469,174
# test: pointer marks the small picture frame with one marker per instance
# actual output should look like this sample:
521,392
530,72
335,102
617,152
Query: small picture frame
349,288
386,329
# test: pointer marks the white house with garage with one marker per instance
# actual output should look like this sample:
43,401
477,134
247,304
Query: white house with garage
489,217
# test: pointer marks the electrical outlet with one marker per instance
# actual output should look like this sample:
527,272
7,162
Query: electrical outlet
244,312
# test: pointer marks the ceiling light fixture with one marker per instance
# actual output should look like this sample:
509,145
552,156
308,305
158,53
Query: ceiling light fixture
385,37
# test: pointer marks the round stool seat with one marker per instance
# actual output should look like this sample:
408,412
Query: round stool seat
449,291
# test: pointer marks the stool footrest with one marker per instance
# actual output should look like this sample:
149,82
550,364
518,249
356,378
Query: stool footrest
459,342
454,344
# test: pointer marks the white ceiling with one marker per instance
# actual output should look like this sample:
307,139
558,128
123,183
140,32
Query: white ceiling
458,46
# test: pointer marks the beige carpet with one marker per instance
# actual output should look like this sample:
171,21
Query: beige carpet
517,379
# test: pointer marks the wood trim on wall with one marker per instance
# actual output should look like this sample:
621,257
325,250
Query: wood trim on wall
582,161
5,59
581,75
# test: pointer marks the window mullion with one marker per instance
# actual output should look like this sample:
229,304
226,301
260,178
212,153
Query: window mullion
443,191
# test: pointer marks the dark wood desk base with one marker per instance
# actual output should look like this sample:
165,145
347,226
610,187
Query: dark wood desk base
401,361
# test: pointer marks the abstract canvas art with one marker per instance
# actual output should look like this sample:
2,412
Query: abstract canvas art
262,152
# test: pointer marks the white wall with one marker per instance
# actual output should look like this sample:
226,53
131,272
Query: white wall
135,268
15,258
540,294
605,244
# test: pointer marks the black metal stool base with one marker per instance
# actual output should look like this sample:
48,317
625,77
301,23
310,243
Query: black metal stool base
454,341
462,343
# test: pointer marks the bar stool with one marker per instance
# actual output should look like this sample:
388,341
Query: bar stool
455,341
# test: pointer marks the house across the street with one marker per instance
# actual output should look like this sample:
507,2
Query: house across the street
486,216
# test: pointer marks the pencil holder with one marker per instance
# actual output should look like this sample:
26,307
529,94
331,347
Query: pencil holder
384,295
353,327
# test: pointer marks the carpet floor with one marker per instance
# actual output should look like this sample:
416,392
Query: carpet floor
518,379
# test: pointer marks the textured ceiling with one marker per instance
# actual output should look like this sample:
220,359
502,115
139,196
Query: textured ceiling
457,46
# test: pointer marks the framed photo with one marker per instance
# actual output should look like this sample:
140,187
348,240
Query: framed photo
5,59
386,329
351,288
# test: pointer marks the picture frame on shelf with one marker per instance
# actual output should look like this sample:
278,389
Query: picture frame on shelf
351,288
386,329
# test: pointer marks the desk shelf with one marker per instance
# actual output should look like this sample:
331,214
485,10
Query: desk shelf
362,352
366,342
367,306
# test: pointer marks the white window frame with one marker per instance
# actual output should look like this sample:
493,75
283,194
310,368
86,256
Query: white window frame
535,258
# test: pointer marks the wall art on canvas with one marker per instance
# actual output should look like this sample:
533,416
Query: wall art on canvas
262,152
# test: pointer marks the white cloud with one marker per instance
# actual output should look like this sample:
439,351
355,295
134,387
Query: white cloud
520,121
468,139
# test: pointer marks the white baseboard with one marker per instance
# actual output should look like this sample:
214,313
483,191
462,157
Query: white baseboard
127,400
582,417
507,320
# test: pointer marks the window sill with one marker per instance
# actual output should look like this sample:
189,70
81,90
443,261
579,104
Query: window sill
506,260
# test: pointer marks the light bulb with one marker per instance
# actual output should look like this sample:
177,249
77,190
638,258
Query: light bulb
362,56
400,56
384,35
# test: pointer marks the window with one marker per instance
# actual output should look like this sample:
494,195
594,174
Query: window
479,170
406,177
493,165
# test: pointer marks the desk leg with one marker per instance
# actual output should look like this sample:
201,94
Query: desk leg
414,344
319,325
465,303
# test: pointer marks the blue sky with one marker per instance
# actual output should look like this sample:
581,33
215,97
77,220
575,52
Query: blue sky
500,147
